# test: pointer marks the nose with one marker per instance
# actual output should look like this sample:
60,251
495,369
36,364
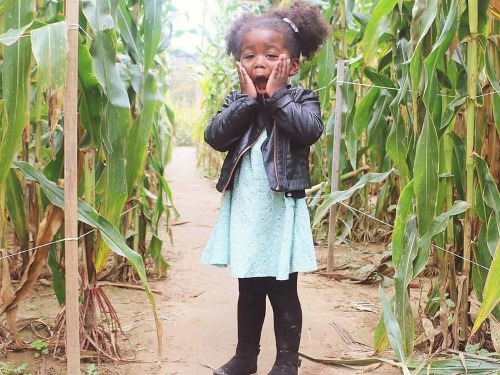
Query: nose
260,61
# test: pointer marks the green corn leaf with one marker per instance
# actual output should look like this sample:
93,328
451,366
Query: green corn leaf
103,50
424,13
5,4
491,292
490,67
154,250
370,39
489,189
438,51
113,185
402,279
140,133
450,112
378,122
50,45
58,279
91,104
380,80
496,110
437,226
447,35
115,125
416,67
130,33
326,72
492,233
16,207
458,164
99,13
393,330
339,196
403,213
152,31
380,337
425,175
364,110
15,80
455,366
397,146
13,35
348,129
483,256
164,183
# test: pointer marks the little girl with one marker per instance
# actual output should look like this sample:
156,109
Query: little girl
263,230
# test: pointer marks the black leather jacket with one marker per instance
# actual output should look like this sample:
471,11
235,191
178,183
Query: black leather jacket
292,120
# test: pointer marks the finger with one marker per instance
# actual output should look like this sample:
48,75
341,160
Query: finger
287,67
238,68
278,68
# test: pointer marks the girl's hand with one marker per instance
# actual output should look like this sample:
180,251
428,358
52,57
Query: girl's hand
247,86
279,75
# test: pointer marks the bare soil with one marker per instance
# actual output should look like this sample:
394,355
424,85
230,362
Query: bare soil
197,304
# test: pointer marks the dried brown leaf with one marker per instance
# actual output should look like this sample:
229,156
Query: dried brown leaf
49,226
495,333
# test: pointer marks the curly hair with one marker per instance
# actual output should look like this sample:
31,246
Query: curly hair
313,29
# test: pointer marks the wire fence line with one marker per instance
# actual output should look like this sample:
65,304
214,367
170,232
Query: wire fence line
370,85
341,203
67,239
434,245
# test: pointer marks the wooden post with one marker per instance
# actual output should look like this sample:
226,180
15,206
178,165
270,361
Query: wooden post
70,193
334,181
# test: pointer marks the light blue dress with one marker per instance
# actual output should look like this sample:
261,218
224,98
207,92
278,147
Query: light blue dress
260,232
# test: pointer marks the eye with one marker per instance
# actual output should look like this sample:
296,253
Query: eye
271,56
249,56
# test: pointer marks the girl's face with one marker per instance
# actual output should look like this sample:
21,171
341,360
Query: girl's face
260,52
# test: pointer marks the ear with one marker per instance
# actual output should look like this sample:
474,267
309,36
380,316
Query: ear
294,67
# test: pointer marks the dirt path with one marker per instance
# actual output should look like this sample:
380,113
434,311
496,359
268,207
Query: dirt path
200,301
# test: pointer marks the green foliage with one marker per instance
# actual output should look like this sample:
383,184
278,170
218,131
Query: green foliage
92,370
7,368
40,347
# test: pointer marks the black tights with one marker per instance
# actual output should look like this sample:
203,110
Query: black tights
286,309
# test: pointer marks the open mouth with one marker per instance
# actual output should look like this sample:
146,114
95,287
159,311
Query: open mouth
260,85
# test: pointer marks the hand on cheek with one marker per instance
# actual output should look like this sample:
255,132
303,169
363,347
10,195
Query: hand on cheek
247,86
279,75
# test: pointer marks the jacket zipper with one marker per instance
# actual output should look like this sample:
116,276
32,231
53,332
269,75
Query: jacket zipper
275,141
238,159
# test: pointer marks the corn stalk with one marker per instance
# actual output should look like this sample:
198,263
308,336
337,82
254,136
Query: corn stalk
112,106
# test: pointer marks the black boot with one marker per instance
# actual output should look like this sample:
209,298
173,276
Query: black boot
251,314
287,363
244,362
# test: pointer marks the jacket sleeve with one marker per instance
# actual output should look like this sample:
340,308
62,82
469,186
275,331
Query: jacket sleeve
231,122
298,113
